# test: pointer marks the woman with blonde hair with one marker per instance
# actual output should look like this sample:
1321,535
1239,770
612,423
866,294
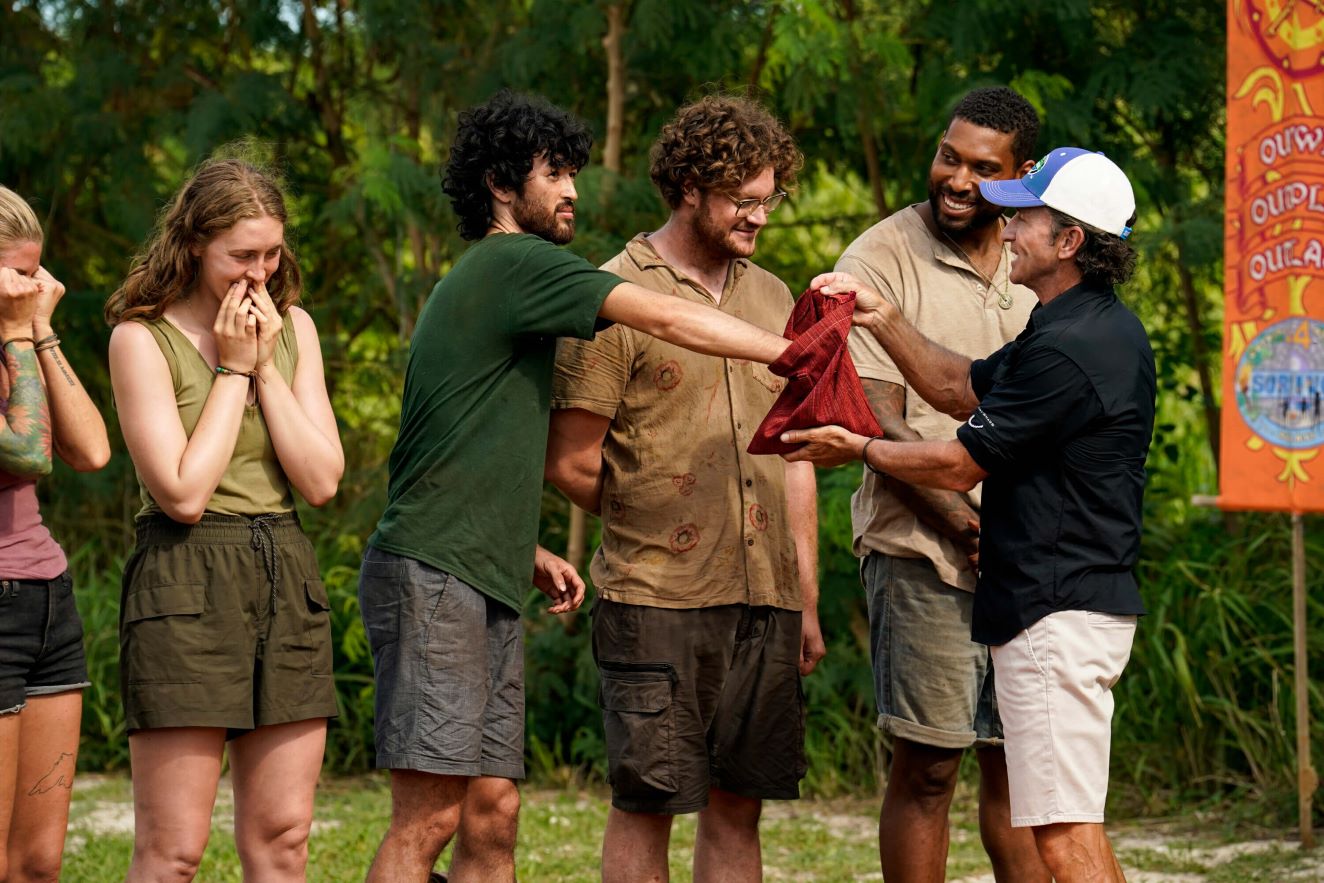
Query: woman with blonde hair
224,626
42,670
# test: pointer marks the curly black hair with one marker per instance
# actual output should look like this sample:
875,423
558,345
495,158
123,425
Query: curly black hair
496,144
1003,110
1103,259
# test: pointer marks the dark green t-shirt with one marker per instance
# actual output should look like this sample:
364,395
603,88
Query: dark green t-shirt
466,469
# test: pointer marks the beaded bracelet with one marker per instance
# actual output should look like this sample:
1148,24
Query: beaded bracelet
49,342
221,369
864,455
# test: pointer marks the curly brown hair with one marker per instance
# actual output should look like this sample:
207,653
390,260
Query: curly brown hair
221,193
717,142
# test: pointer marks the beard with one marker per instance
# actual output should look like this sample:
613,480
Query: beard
719,239
985,213
541,220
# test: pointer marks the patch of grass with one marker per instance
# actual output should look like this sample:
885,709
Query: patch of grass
561,835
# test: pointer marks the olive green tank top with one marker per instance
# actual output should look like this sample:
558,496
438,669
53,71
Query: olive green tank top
254,483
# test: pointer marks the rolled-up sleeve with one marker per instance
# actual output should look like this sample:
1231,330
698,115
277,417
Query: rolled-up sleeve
1040,401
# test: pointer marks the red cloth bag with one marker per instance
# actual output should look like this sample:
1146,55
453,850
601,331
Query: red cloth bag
822,387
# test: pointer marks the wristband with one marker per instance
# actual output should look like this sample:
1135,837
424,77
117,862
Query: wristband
49,342
17,340
864,455
222,370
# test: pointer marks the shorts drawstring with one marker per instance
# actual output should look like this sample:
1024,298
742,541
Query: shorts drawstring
263,541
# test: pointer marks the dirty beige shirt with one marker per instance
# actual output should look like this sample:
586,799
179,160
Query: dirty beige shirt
939,293
689,519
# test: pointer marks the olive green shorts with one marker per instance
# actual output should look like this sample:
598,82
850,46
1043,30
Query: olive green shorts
224,623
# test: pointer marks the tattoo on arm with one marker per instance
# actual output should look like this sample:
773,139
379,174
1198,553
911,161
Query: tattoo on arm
945,511
25,438
61,775
64,369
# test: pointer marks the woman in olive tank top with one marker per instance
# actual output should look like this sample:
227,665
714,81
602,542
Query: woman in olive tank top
224,627
43,407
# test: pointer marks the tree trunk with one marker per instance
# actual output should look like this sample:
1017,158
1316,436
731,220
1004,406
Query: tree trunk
611,148
864,112
577,532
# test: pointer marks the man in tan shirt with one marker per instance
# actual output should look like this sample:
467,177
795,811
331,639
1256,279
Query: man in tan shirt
706,615
944,265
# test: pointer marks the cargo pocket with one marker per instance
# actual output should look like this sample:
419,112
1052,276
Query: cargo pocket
162,638
640,724
318,634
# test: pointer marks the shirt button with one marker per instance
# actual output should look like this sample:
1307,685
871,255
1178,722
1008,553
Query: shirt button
737,424
749,542
979,288
749,482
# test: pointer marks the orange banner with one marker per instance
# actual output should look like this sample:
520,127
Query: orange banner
1273,333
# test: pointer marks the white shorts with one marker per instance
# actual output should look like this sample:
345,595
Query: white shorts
1054,687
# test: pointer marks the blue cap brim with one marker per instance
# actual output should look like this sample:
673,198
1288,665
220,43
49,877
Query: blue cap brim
1012,194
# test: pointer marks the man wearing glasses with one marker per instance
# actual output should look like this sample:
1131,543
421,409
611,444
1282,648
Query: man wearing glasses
706,615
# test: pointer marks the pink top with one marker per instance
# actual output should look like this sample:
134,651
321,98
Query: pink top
27,550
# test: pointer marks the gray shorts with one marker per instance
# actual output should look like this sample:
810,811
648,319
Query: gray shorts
449,667
933,684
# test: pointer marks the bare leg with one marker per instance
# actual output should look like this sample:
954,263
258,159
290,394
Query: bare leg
912,826
47,755
634,848
489,820
1078,852
425,813
275,771
8,777
1012,850
726,847
175,772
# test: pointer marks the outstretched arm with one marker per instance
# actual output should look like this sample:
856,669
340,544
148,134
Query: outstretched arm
940,376
940,464
693,326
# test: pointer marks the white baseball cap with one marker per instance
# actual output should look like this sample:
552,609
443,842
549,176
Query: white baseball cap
1086,186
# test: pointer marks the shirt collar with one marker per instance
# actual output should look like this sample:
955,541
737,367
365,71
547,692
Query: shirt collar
645,257
1066,303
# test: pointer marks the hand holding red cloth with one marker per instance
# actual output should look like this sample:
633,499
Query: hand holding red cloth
822,388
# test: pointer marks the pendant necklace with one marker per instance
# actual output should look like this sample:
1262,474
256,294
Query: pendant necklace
1004,295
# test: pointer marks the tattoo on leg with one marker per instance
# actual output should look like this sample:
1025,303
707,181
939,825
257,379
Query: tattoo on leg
61,775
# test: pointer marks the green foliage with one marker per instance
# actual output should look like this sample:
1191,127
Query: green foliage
105,106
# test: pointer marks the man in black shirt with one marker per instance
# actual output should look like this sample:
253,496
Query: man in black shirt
1059,425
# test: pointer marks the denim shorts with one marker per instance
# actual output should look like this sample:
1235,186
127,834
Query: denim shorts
224,623
41,640
933,684
448,663
695,699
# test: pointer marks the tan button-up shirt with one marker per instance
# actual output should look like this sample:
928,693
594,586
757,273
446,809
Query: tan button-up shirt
939,293
689,519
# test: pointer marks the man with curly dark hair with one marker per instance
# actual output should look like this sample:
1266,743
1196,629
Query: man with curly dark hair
706,615
1057,427
445,574
943,263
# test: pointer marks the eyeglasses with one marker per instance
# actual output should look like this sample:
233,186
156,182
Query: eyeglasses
745,207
